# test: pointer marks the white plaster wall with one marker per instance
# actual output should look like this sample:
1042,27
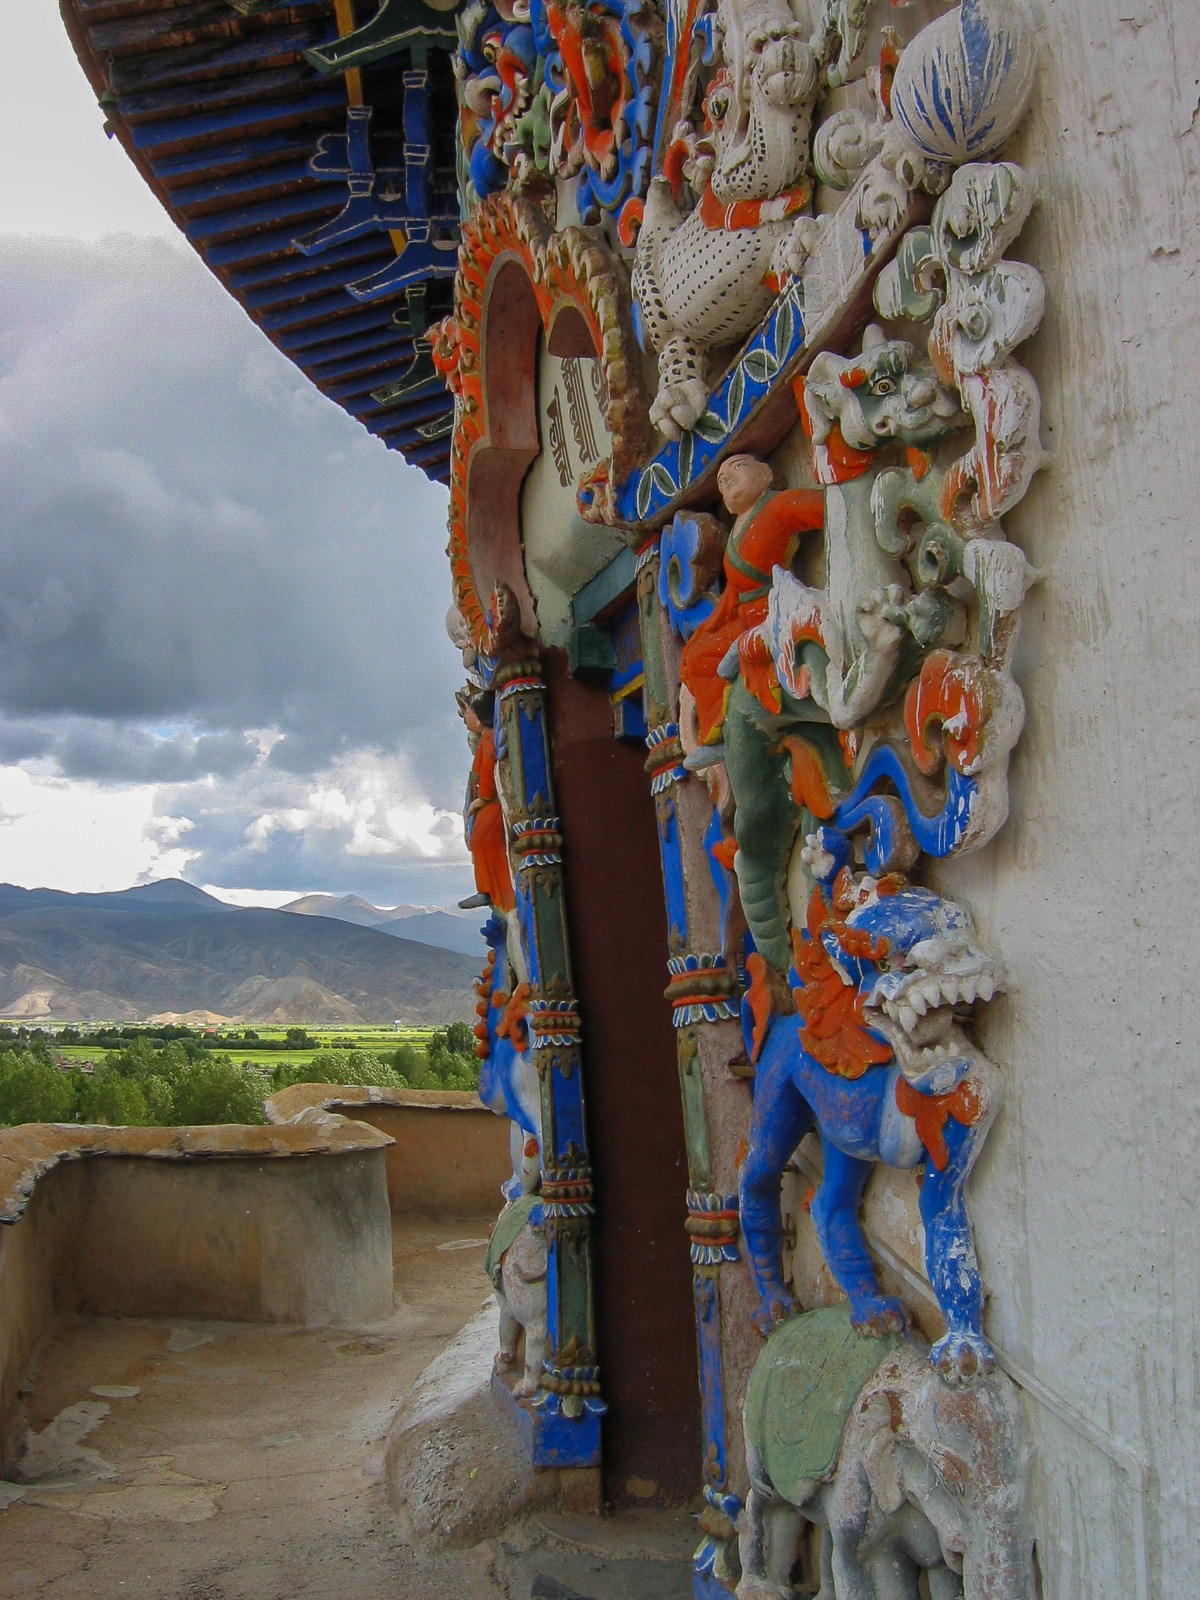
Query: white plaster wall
1086,1197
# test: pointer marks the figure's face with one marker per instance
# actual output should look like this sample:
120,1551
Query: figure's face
741,481
472,721
894,395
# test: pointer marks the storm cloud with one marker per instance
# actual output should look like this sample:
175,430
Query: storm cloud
214,581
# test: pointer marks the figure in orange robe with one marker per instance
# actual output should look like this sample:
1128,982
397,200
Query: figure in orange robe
767,526
485,819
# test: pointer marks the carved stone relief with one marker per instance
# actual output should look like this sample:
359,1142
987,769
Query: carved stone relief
828,693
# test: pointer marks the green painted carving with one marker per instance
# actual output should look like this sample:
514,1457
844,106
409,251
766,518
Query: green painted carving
802,1391
508,1225
397,25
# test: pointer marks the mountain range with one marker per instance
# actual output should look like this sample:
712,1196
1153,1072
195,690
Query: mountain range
449,930
168,948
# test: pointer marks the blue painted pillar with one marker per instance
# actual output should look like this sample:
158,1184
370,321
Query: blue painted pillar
702,991
566,1412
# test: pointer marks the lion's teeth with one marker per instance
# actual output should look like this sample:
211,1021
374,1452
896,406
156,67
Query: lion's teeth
987,988
918,1002
966,991
908,1018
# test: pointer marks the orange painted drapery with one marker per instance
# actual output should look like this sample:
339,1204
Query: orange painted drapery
489,853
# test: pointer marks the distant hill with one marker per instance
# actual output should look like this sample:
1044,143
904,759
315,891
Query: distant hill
342,907
168,894
446,930
169,947
443,929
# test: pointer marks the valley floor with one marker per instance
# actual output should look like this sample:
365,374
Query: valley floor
242,1462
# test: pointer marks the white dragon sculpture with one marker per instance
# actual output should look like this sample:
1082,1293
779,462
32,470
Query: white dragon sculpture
706,277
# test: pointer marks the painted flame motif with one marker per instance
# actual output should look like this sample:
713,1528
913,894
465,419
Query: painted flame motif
955,692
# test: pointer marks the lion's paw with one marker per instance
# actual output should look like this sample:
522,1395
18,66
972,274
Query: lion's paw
679,406
962,1357
773,1313
801,243
878,1315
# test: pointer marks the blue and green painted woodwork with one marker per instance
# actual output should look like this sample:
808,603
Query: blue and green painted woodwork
566,1412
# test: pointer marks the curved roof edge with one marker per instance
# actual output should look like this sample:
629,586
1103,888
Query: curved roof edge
323,199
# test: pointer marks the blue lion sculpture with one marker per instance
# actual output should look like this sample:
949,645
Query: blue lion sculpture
876,1060
508,1080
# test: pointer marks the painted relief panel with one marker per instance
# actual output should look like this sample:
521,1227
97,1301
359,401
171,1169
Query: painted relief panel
811,247
562,551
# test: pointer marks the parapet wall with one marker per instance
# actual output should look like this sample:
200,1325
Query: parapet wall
269,1224
448,1155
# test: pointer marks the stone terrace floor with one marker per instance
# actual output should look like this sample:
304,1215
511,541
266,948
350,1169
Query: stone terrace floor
241,1462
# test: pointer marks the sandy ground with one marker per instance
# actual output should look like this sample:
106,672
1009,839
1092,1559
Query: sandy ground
225,1461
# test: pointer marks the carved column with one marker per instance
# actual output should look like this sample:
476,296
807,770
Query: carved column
566,1412
701,990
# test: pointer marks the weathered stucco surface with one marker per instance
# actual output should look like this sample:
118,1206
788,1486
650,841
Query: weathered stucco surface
1086,1196
450,1154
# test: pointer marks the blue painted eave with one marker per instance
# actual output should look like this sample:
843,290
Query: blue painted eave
220,113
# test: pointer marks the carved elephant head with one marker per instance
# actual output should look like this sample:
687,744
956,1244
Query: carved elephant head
962,1457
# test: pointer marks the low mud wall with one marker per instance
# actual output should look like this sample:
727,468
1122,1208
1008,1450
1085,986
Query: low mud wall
449,1156
277,1224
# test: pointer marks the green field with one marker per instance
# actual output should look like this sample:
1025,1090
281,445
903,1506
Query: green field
228,1041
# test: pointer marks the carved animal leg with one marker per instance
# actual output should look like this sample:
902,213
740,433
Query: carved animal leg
826,1591
944,1584
784,1524
535,1357
851,1580
835,1213
682,389
781,1119
760,1578
510,1332
950,1258
894,1574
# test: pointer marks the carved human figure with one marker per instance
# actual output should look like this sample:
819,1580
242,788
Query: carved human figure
484,817
766,530
854,405
925,1479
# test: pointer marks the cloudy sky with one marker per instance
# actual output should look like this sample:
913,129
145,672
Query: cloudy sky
221,644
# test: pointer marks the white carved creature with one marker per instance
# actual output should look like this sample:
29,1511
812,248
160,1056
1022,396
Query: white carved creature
705,279
521,1294
929,1479
861,616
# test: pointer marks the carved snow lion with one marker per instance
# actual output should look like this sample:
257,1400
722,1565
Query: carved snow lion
705,279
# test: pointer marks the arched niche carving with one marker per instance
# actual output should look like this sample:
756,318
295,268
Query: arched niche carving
517,277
